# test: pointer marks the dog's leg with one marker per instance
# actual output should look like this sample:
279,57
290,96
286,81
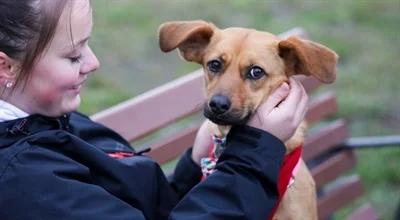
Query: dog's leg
297,139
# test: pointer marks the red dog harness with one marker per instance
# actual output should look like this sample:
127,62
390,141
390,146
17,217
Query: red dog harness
290,166
287,173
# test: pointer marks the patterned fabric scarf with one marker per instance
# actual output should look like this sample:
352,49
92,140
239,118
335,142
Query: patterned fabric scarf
287,173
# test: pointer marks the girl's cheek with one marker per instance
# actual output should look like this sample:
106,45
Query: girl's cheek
47,98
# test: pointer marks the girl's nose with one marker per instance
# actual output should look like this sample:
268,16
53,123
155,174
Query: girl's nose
91,63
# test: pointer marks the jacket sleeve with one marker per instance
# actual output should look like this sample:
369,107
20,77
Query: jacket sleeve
41,185
244,185
186,174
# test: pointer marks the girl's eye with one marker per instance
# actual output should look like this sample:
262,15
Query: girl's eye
255,73
214,66
76,59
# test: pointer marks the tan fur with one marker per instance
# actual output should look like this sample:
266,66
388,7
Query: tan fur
239,49
297,139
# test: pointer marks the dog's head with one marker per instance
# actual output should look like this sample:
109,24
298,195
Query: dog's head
243,66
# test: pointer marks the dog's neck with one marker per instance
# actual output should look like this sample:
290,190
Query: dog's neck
219,131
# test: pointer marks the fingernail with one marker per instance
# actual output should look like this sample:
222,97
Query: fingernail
285,85
284,88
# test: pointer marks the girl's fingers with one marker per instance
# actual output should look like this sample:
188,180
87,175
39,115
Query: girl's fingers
274,99
294,97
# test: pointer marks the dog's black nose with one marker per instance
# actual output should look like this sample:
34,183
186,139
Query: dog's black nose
219,104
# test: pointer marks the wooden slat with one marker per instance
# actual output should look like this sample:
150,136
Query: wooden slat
156,108
365,212
333,167
342,195
172,147
324,139
321,107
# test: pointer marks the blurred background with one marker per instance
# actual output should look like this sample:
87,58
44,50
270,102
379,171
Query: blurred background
365,33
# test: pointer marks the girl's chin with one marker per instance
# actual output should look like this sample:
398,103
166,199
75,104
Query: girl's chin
72,104
66,105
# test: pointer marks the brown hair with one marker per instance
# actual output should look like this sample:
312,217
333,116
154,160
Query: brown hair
26,29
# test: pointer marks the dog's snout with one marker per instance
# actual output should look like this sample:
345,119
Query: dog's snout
219,104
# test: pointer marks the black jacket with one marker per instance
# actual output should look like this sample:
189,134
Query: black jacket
59,168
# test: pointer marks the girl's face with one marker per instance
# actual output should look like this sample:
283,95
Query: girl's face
55,82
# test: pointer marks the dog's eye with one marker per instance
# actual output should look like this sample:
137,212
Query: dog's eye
255,72
214,66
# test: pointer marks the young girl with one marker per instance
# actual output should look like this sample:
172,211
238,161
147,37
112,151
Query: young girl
55,163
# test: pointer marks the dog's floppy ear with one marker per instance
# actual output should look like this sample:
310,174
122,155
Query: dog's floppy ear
190,37
308,58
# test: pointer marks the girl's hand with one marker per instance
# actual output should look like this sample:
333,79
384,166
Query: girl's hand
283,111
202,143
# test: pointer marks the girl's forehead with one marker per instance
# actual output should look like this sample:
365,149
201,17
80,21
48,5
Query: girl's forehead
74,25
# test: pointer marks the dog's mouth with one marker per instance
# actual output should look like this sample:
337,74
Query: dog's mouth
232,117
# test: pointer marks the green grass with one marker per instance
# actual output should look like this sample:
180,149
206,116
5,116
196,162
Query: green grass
365,33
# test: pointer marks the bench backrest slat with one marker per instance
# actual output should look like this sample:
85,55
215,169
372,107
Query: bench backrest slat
320,107
154,109
333,167
324,139
350,189
166,150
364,212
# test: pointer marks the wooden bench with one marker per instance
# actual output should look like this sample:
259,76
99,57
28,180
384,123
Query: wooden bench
143,115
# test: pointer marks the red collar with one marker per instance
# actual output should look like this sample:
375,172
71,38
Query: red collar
287,172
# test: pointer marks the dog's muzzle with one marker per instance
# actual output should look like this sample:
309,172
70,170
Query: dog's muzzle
219,104
220,111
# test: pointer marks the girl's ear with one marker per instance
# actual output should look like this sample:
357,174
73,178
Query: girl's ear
8,69
190,37
308,58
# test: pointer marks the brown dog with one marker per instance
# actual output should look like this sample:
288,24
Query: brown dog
242,67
